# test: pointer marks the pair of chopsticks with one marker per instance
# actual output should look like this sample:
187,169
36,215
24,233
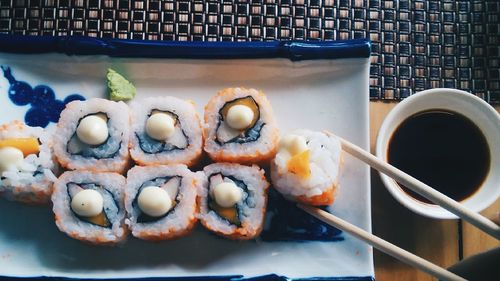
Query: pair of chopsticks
421,188
382,245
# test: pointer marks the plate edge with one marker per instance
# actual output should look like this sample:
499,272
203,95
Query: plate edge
80,45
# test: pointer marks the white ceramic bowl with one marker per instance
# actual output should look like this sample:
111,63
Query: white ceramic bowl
472,107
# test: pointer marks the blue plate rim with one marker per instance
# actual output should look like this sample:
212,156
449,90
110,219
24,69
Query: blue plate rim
80,45
267,277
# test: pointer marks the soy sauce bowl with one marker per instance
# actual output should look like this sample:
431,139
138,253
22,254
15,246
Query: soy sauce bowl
473,108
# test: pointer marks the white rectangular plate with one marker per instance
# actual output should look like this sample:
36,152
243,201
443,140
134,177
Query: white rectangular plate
317,94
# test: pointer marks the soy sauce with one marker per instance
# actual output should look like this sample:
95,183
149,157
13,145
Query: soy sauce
443,149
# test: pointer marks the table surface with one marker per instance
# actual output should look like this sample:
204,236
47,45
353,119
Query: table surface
443,242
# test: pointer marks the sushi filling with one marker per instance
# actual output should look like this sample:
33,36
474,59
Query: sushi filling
108,149
233,214
177,141
227,134
295,149
26,145
19,155
110,210
170,184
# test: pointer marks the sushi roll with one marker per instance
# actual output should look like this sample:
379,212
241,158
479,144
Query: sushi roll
233,201
306,167
26,163
161,201
88,206
93,135
165,130
240,127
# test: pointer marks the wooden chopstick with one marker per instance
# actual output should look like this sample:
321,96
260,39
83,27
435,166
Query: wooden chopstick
382,245
421,188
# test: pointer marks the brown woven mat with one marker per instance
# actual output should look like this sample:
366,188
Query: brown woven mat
416,44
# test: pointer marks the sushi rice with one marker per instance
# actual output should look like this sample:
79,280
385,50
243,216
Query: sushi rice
184,147
250,209
255,148
32,181
180,219
325,162
111,156
110,186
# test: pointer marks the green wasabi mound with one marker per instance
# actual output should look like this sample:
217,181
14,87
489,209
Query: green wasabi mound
119,88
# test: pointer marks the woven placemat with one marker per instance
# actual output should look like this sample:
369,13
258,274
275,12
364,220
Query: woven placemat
417,45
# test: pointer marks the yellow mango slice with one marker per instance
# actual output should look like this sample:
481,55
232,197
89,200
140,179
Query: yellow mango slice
229,213
299,164
247,101
26,145
98,220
